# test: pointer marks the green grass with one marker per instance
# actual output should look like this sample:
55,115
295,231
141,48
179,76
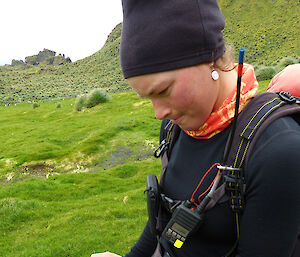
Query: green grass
263,85
266,32
75,214
49,139
72,182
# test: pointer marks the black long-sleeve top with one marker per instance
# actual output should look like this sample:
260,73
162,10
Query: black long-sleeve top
271,219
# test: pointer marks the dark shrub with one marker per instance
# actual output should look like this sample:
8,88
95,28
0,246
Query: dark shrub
96,97
265,72
286,61
35,105
80,103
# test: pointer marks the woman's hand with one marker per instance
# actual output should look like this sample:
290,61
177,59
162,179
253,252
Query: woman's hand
106,254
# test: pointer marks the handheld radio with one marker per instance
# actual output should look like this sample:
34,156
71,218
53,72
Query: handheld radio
153,199
184,222
187,219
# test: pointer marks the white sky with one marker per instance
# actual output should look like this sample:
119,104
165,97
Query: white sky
76,28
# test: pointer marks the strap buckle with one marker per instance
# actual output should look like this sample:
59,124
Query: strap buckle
161,148
237,203
169,204
234,186
228,168
286,96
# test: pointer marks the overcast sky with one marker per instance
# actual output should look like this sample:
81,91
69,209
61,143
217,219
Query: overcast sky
76,28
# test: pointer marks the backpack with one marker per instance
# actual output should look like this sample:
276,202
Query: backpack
262,110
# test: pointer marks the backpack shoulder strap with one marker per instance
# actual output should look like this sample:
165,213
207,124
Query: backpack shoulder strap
252,121
288,109
169,135
255,118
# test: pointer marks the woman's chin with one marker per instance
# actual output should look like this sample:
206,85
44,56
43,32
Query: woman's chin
189,127
186,125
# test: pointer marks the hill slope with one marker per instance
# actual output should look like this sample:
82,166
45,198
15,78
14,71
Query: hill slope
269,30
267,33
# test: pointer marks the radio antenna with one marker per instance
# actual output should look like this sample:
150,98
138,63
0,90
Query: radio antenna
237,104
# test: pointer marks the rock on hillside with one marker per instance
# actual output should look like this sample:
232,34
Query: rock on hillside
43,57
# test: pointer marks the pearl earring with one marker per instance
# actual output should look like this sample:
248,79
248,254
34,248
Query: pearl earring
214,75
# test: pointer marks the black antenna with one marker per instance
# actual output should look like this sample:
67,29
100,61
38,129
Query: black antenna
237,104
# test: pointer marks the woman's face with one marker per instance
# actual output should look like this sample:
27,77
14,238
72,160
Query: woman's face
187,96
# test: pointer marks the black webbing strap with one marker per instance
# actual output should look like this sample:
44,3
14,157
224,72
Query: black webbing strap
171,133
290,108
251,128
173,138
260,111
255,118
234,187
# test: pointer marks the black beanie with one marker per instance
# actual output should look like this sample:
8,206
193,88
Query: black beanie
160,35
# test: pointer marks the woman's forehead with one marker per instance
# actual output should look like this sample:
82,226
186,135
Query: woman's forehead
146,85
152,78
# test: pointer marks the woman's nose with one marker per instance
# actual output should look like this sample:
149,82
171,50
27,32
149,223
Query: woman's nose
162,110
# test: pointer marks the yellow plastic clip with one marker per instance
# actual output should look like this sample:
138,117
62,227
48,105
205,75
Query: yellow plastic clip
178,243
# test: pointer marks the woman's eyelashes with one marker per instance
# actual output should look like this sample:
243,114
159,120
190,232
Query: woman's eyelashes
163,92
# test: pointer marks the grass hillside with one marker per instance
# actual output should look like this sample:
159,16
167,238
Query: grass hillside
269,30
48,140
43,82
72,182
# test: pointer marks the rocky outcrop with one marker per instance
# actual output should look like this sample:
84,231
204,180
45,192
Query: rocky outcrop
46,56
17,63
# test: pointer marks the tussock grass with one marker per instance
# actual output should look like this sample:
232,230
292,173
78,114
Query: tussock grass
93,98
265,72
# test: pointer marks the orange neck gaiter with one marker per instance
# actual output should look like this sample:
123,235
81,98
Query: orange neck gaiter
222,117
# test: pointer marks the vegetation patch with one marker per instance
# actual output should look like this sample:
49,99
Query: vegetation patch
75,214
48,140
95,97
264,73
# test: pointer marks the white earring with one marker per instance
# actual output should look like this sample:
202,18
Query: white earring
214,75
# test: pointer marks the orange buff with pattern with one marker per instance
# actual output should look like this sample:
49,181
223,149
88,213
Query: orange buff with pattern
221,118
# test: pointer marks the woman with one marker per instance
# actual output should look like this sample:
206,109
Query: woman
173,53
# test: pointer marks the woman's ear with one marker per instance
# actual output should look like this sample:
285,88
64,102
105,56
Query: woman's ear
212,65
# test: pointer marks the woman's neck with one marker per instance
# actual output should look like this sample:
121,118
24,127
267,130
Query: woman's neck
226,83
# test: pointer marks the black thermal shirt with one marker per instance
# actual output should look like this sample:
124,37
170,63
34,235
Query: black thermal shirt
271,219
